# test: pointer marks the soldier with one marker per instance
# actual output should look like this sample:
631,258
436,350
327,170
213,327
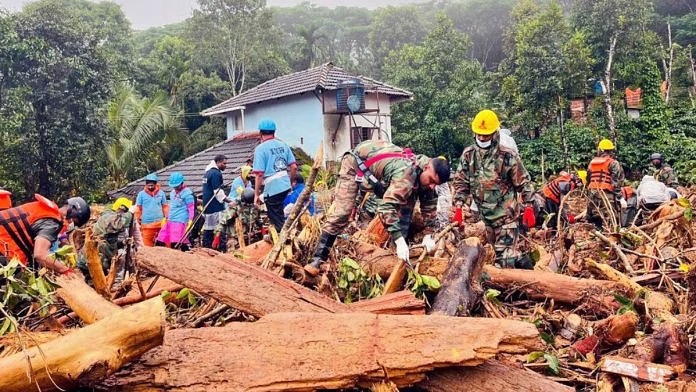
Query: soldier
554,191
663,172
494,177
398,178
243,209
605,179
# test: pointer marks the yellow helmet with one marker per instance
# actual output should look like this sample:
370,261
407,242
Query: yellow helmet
485,123
605,145
582,174
122,202
245,170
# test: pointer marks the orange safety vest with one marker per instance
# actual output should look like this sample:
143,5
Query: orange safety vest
552,190
600,176
16,234
627,192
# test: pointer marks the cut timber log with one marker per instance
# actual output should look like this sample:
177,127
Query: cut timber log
644,371
492,376
83,300
94,265
401,302
597,295
305,352
460,285
245,287
87,354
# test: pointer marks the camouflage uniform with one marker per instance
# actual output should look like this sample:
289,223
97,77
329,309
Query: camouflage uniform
494,178
399,179
665,174
597,208
112,228
248,213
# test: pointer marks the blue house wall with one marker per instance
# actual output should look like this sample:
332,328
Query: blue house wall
299,120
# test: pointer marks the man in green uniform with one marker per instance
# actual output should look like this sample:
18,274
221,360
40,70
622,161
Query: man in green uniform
494,177
663,171
242,208
398,178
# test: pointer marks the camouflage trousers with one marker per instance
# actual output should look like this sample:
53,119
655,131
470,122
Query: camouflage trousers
345,192
602,209
505,242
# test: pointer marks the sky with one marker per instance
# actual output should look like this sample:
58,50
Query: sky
148,13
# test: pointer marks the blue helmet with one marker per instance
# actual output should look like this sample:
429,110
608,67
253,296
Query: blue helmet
267,125
151,177
176,179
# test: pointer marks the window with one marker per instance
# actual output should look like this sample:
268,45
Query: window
360,134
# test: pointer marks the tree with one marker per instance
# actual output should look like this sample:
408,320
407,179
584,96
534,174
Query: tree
448,91
392,28
140,126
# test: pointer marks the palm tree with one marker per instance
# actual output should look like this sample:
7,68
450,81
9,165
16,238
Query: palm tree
146,131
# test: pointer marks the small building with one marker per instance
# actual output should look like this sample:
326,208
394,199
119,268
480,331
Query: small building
325,103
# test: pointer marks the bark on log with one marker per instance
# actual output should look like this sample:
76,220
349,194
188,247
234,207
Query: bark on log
460,285
305,352
492,376
596,295
245,287
377,261
401,302
83,300
88,354
94,265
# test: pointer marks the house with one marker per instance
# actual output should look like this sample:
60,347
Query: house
311,107
237,150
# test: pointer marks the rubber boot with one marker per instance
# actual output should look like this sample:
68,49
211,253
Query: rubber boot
321,254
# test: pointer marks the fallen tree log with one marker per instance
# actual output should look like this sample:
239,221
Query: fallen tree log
298,352
401,302
460,284
594,295
82,299
492,376
243,286
86,355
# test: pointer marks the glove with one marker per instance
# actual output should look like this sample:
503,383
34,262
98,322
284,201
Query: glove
458,216
402,250
68,271
163,222
571,218
623,203
216,241
428,243
528,218
65,250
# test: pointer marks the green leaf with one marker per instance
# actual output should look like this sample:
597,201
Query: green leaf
534,355
552,361
430,282
689,214
622,300
348,262
492,294
350,276
5,326
165,294
183,293
342,283
548,338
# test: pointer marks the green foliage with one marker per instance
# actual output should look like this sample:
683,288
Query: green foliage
19,289
354,283
421,284
393,28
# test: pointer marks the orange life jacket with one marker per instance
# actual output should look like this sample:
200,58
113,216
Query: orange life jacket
627,192
600,176
552,190
16,234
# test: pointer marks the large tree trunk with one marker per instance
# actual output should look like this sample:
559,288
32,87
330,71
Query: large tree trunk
611,121
87,354
305,352
245,287
492,376
83,300
460,285
595,295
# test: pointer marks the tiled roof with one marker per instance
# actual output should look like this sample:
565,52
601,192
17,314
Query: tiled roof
237,151
324,77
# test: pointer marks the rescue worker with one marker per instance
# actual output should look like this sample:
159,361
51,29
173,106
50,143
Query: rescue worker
275,168
151,209
214,197
240,183
556,189
298,185
605,179
652,193
494,177
182,205
28,230
5,199
113,228
250,216
628,214
662,171
395,176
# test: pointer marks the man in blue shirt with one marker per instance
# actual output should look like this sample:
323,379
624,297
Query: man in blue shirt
275,167
214,198
298,185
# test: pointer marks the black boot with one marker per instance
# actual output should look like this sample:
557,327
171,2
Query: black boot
321,254
524,262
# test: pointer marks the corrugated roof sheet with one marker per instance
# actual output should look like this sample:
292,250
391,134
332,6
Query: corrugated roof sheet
237,151
324,77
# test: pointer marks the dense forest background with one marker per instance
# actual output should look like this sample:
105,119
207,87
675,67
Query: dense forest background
88,104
